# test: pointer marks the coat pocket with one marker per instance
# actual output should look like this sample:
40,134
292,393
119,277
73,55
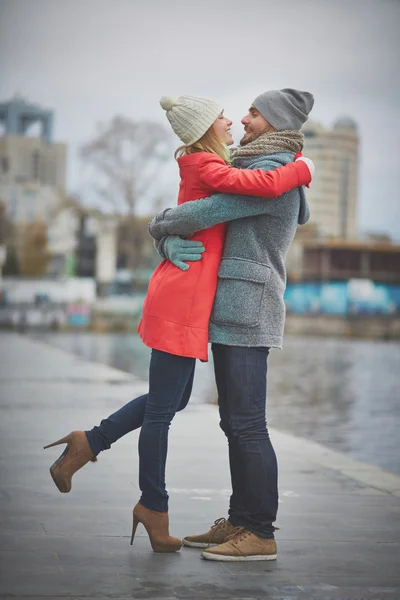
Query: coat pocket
240,292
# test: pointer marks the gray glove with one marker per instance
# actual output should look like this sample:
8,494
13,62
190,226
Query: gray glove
155,225
176,250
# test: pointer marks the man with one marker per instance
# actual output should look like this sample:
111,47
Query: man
248,316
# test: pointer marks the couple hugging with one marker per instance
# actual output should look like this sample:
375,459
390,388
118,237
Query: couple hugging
222,281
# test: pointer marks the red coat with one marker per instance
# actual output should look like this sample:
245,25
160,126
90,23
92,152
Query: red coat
177,308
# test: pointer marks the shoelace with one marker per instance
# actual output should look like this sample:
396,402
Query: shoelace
218,523
240,533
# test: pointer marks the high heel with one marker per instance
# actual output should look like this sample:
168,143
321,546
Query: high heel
134,527
75,456
157,526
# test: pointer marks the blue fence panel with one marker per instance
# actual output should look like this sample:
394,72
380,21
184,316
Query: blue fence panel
357,296
302,297
333,298
394,294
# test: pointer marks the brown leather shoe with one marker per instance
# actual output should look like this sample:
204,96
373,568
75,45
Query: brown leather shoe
241,546
75,456
216,535
157,527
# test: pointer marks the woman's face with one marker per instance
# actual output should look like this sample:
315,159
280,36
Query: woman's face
222,129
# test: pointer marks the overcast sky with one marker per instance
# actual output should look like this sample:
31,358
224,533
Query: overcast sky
92,59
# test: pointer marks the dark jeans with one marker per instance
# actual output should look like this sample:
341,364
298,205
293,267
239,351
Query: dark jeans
241,376
170,386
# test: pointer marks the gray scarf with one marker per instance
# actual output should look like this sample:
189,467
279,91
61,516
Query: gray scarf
270,143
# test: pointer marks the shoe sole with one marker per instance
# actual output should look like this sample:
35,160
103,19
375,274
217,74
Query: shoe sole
225,558
197,544
60,484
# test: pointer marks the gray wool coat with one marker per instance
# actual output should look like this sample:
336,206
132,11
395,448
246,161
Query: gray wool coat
248,308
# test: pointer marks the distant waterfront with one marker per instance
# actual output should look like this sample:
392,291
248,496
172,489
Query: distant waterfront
341,393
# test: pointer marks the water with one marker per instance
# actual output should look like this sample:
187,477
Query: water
341,393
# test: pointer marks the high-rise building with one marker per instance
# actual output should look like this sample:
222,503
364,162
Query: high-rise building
32,169
32,188
333,193
33,177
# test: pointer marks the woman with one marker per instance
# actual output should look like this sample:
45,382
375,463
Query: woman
176,313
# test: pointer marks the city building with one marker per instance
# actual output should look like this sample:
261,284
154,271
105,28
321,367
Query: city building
32,169
106,253
333,193
81,242
344,260
33,176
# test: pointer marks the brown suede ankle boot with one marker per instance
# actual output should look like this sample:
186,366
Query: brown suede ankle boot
157,526
75,456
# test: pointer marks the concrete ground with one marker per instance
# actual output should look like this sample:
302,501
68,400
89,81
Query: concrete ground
339,519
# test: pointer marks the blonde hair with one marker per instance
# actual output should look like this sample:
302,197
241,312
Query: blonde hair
209,142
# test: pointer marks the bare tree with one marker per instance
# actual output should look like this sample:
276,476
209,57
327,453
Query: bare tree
126,157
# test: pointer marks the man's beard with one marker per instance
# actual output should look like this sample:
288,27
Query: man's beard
244,141
253,136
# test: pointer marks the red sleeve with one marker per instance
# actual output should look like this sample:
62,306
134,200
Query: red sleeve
219,177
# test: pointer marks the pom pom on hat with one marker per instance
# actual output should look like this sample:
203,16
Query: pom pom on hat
168,102
190,116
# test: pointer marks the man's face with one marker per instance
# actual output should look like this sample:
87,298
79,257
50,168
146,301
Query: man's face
254,125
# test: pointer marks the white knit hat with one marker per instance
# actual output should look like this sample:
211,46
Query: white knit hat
190,116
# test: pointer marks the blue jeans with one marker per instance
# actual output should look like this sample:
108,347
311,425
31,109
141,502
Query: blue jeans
170,386
241,377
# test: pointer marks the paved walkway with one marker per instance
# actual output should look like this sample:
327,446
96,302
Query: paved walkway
339,519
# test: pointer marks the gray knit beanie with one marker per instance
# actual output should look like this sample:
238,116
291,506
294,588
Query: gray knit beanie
285,109
190,116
